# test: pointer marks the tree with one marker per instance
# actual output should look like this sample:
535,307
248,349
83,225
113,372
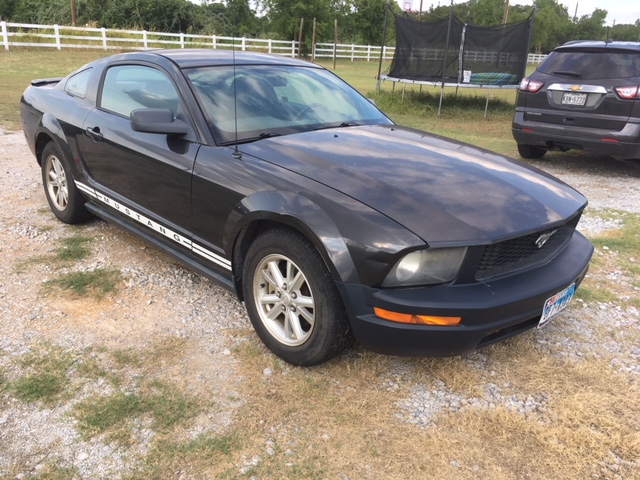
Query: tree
283,19
42,12
368,20
591,27
552,26
284,15
486,12
7,7
241,18
626,32
153,15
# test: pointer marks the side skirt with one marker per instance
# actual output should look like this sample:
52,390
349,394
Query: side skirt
186,260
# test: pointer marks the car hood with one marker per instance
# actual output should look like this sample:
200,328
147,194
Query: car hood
443,191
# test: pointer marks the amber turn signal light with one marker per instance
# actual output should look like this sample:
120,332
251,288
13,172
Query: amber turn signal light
416,319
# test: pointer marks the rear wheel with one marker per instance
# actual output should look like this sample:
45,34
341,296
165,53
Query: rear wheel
531,151
292,300
63,196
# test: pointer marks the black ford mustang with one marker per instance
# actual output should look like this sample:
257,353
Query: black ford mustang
276,179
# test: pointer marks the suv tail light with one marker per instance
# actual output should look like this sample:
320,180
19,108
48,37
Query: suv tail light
628,93
528,85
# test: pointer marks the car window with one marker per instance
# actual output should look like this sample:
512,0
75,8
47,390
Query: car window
593,65
130,87
248,102
78,84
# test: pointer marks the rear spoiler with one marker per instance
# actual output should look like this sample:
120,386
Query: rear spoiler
39,82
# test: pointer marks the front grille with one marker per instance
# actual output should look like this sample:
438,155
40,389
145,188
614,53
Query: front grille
523,252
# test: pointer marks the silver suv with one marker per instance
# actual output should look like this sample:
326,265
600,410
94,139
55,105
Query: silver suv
584,96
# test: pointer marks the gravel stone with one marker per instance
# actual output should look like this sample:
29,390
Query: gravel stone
159,298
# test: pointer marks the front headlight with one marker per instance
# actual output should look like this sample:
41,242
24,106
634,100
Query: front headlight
426,267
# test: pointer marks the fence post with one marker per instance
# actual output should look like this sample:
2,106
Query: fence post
215,44
5,35
104,38
244,43
368,53
181,40
56,29
145,40
269,45
293,49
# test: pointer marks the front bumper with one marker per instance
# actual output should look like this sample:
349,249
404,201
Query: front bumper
625,143
491,311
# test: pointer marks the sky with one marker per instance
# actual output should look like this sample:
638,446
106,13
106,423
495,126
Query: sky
620,11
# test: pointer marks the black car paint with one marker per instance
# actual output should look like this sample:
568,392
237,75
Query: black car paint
408,175
340,188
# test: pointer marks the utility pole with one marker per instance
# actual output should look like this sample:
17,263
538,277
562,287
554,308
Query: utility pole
74,13
505,19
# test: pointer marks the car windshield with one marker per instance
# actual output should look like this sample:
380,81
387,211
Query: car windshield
592,64
248,103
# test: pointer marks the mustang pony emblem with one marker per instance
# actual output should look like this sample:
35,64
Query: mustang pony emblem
544,238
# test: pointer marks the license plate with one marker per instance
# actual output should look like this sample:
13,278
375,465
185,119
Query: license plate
571,98
554,305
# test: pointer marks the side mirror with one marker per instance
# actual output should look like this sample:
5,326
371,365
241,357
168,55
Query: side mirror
372,102
157,120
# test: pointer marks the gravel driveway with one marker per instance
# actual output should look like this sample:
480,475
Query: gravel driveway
159,298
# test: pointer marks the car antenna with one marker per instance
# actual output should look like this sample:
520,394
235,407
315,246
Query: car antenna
236,152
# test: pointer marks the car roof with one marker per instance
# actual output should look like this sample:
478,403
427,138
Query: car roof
198,57
599,45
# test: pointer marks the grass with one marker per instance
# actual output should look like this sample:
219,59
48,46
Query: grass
617,250
95,283
345,419
45,378
113,414
19,67
73,249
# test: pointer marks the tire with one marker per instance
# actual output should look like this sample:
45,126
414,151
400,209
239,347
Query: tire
65,200
293,303
531,151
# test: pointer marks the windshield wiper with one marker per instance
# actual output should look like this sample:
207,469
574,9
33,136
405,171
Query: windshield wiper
262,136
341,125
268,135
567,73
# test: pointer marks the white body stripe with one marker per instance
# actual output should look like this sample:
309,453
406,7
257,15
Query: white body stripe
167,232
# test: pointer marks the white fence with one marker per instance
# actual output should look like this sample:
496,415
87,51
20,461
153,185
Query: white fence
352,52
59,37
372,53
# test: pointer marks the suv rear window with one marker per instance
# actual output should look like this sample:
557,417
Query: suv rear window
592,65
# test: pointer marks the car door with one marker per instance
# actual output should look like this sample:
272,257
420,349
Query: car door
148,173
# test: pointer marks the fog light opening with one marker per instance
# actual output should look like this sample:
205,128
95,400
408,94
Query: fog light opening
416,319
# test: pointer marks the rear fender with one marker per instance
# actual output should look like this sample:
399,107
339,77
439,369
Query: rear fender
50,129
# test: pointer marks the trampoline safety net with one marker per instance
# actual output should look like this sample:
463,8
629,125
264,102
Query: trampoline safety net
472,54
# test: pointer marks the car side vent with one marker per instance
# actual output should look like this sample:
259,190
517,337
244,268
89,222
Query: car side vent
524,252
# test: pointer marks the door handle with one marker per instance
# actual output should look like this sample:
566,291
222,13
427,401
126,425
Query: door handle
94,132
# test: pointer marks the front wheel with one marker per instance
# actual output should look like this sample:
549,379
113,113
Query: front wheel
64,198
531,151
292,301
